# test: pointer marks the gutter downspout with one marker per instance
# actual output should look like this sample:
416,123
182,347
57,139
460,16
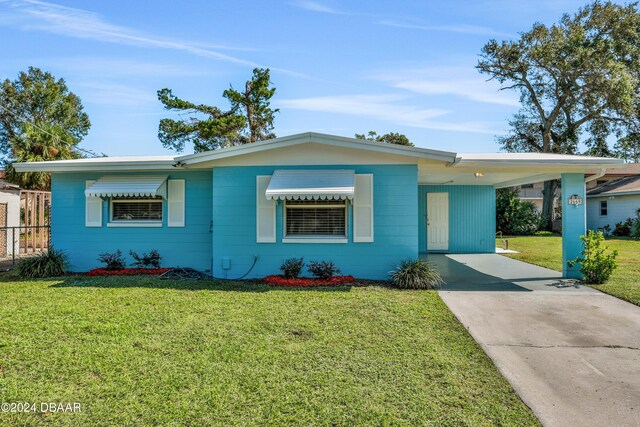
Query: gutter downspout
455,161
596,176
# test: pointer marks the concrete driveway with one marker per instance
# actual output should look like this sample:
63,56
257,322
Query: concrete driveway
570,352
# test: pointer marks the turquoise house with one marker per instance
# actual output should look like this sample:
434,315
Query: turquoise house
241,211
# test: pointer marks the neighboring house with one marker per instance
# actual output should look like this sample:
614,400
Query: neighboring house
9,216
613,202
533,192
241,211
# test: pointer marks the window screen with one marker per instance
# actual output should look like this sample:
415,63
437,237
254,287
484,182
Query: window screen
526,186
603,208
316,218
132,209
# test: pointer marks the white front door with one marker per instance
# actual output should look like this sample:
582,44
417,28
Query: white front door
437,221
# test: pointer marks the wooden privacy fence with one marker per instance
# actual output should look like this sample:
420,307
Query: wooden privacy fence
35,207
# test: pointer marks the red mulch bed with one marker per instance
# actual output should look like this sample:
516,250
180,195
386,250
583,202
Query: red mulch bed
126,271
304,282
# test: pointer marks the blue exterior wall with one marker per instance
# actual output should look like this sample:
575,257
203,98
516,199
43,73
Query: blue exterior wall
574,222
234,225
472,217
179,246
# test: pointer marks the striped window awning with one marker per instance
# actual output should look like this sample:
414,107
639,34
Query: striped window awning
311,185
128,186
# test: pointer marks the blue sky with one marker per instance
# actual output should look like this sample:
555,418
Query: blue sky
339,67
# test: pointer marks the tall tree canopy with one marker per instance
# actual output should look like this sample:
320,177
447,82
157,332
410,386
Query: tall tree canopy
40,119
249,119
579,75
389,138
628,147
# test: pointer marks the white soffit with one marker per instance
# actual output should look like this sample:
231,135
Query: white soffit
311,184
127,186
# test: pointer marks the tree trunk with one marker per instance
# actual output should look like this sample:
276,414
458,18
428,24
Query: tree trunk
548,195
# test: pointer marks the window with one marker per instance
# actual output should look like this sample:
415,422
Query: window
526,186
603,208
136,210
315,218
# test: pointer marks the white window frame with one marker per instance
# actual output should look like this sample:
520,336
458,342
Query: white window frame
606,206
134,223
315,238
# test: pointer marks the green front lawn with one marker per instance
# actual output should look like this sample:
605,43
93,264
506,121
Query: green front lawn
142,351
546,250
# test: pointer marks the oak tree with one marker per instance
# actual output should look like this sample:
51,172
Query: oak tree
577,76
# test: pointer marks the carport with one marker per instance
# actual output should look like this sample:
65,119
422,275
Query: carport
456,201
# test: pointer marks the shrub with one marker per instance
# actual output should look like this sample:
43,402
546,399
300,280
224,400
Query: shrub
596,262
150,260
623,229
513,215
292,267
635,227
323,269
416,274
112,261
47,264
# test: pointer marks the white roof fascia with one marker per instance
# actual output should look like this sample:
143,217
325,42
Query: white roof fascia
100,164
534,160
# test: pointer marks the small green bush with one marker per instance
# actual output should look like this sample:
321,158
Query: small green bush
47,264
515,216
150,260
323,270
112,261
635,227
596,262
416,274
292,267
623,228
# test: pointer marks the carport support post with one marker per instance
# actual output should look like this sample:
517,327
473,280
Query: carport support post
574,221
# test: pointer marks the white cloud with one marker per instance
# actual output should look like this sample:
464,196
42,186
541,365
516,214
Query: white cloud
115,94
463,82
316,7
454,28
384,107
110,67
78,23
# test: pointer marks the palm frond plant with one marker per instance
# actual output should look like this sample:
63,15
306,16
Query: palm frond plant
416,274
52,263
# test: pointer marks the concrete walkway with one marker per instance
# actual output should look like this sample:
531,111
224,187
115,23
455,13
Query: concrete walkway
571,353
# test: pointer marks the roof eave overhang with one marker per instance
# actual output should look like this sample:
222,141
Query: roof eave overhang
576,166
624,193
94,167
588,164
